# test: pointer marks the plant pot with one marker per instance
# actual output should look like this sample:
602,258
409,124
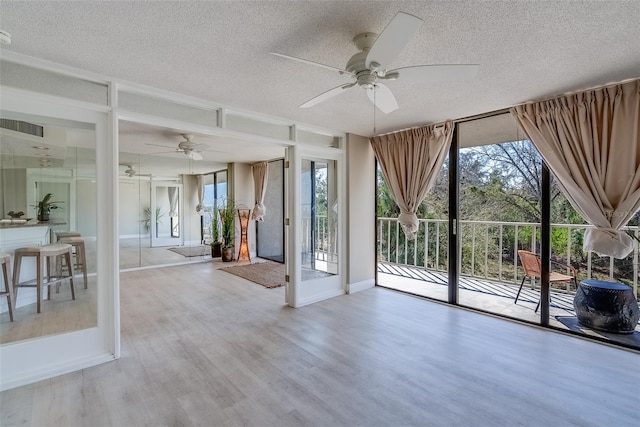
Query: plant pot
227,254
43,217
216,250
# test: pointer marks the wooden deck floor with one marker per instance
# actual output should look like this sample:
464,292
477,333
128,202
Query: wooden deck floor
494,297
559,300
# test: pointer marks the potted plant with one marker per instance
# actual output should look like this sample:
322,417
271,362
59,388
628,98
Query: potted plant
45,206
146,222
216,229
228,219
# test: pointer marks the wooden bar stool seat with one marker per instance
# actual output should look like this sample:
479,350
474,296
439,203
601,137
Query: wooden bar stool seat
42,253
8,285
80,255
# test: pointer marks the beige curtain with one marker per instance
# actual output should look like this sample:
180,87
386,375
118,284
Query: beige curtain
260,175
591,142
200,205
410,161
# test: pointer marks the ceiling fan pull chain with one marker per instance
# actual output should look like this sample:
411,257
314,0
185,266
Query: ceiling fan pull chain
374,110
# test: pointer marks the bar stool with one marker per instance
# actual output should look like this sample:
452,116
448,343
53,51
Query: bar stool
80,255
42,253
8,285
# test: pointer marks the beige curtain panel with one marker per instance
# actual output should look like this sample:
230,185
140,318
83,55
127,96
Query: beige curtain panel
260,176
410,161
591,142
200,205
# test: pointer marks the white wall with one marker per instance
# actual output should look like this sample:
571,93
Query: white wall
361,195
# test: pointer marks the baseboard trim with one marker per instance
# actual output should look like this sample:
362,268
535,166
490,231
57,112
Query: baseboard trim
54,371
320,297
361,285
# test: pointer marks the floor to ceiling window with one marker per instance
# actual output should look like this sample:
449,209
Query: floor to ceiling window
499,235
417,266
499,193
215,195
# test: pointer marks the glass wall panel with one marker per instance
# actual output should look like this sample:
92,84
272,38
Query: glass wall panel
270,234
158,189
48,188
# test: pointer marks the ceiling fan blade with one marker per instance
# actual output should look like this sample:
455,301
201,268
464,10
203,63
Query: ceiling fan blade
317,64
437,73
382,98
194,155
326,95
393,39
159,145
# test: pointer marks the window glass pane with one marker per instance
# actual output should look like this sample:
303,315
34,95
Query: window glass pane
319,218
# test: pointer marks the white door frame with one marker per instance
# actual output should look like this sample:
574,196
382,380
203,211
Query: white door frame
24,362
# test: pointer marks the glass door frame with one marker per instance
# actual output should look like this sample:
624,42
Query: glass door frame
299,293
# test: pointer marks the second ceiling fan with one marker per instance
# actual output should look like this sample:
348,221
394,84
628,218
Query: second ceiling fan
371,66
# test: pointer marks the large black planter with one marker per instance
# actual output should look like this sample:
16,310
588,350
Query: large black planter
216,250
606,306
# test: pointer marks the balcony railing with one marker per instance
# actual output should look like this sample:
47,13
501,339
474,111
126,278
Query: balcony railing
489,250
324,245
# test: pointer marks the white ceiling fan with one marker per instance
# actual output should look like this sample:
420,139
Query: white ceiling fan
186,147
371,65
131,171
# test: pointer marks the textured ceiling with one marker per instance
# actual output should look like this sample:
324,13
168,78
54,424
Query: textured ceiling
220,51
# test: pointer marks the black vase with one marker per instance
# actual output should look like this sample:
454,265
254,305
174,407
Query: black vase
43,216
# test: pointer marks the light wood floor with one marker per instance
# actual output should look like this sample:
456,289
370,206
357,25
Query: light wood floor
203,347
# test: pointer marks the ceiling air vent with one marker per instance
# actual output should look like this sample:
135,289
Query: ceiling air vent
24,127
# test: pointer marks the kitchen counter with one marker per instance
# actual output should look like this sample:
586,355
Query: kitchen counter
17,223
